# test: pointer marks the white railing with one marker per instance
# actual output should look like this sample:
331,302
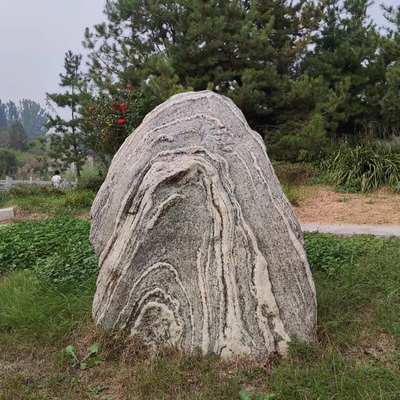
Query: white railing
8,182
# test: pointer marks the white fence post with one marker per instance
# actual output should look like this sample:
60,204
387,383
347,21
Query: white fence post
8,181
30,180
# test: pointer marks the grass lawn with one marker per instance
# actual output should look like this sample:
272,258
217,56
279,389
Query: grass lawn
47,200
46,290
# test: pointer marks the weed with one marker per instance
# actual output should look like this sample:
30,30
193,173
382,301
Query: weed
343,200
57,249
90,360
79,199
292,193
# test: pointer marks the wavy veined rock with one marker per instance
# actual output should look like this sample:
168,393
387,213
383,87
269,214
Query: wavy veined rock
198,246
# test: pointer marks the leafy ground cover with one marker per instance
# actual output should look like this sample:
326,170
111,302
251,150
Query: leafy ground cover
356,354
47,200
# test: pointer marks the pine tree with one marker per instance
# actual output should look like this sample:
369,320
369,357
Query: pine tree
67,142
247,50
390,101
346,52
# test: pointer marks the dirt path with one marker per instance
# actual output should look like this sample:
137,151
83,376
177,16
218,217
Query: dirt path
320,204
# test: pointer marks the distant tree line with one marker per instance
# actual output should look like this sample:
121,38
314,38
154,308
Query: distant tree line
21,123
305,74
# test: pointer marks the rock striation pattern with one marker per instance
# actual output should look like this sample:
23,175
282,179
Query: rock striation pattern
198,246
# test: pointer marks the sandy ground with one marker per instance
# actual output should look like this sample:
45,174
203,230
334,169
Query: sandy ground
320,204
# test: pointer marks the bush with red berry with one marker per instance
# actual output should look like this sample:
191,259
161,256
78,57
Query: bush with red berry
111,118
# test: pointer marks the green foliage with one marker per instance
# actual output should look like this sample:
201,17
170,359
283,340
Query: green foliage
294,174
26,190
303,73
329,253
3,116
8,163
366,167
246,50
18,138
111,118
346,53
47,200
57,249
67,143
90,360
92,183
4,139
31,310
355,355
78,198
33,118
292,193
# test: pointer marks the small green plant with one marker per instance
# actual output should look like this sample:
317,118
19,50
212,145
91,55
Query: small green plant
58,250
330,254
246,396
292,193
343,200
77,199
90,360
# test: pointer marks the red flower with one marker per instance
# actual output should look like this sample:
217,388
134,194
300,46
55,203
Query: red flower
123,105
121,121
128,86
119,110
113,108
113,104
103,136
90,108
124,111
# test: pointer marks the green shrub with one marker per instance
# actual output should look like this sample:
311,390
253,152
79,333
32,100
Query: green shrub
57,249
292,193
27,190
329,253
78,198
92,183
366,167
294,174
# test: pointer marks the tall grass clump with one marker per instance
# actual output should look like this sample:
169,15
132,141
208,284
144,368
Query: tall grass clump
29,308
366,167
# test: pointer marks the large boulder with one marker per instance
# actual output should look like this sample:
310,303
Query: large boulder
198,246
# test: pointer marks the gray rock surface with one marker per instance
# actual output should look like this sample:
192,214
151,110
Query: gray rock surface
197,244
7,213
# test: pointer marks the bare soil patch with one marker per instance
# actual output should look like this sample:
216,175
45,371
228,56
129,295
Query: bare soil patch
85,215
321,204
22,215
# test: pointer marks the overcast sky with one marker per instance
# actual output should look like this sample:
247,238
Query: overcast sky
35,34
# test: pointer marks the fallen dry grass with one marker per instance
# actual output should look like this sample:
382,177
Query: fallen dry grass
322,204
